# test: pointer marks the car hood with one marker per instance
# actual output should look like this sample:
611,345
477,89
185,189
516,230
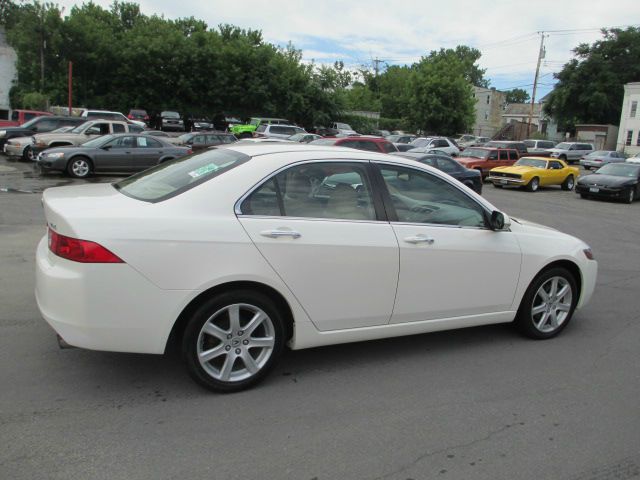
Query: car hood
606,180
526,225
520,169
59,136
20,140
464,160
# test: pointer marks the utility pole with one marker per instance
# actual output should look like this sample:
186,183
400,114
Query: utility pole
70,98
535,82
376,65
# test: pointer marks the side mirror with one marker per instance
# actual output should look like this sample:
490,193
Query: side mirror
498,221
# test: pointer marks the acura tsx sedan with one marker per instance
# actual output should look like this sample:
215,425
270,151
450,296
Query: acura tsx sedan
232,254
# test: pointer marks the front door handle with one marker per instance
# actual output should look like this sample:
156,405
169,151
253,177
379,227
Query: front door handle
415,239
280,233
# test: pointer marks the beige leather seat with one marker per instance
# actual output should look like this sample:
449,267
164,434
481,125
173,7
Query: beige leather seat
343,203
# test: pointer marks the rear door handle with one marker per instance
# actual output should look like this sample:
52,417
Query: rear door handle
280,233
415,239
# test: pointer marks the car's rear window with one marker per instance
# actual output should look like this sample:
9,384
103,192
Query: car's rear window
177,176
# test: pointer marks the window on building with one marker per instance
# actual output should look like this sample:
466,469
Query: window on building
486,115
634,108
629,137
488,99
638,139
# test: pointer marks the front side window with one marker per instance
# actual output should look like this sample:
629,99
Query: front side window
318,190
555,165
419,197
447,165
46,125
118,128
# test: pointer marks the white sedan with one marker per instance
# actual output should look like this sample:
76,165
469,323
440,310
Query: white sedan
234,253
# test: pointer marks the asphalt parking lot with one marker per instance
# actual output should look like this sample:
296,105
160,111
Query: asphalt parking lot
481,403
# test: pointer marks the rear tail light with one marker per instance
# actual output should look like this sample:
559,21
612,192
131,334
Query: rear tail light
82,251
130,117
146,117
190,151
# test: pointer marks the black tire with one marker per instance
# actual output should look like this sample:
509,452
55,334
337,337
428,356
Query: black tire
563,157
245,135
526,321
630,196
28,155
533,184
497,186
584,195
79,167
215,310
568,183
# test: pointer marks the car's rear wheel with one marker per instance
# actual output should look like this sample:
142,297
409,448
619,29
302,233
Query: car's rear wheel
245,135
534,184
497,185
79,167
548,304
233,340
568,183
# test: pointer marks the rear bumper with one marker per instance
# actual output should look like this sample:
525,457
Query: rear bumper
107,307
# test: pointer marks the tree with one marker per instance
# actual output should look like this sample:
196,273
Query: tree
442,97
590,87
466,58
517,95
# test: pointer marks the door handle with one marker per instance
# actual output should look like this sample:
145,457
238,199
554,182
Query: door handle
419,239
280,233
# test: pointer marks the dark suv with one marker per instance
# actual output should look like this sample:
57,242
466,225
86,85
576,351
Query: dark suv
38,125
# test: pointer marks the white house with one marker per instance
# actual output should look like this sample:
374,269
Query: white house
8,60
629,133
489,107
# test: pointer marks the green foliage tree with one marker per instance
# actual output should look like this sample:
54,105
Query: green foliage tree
590,87
517,95
442,100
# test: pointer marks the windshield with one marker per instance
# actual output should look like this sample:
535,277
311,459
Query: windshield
97,142
296,137
62,130
343,126
177,176
185,137
563,146
30,122
619,170
475,153
598,153
80,128
170,115
531,162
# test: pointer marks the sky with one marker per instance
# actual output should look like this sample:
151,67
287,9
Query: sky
507,33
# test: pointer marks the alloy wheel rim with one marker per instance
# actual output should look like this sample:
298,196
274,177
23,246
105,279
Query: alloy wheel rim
30,154
630,195
551,304
80,168
570,183
236,342
534,184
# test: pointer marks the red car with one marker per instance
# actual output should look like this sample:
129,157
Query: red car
18,117
371,144
484,158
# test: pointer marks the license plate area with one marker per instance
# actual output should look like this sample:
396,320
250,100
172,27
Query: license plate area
594,189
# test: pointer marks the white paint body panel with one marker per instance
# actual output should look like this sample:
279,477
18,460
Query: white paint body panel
339,281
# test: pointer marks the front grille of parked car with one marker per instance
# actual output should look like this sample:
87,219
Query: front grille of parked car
504,174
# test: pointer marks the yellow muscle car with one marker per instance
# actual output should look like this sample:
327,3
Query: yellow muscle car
534,172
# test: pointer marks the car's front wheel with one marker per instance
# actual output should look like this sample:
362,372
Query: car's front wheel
548,304
28,155
79,167
568,183
233,340
629,196
533,185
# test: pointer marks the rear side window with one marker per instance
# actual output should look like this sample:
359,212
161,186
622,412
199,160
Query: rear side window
545,145
177,176
513,155
118,128
261,128
504,155
389,147
584,146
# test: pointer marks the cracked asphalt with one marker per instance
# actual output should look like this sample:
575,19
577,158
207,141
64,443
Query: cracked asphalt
481,403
